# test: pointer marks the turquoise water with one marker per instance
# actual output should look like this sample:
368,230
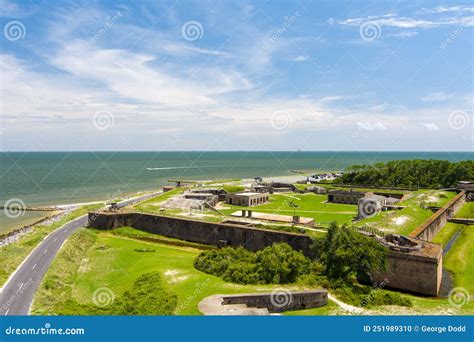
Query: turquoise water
65,177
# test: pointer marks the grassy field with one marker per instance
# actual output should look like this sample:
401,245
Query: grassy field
460,258
446,233
308,205
153,204
467,211
406,220
12,255
93,259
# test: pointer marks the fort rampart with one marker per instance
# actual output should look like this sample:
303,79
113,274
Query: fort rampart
438,220
417,272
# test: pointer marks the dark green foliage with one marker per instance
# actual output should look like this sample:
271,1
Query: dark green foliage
410,173
144,250
276,264
365,296
147,297
345,253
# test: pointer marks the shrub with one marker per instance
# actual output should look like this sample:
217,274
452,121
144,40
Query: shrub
346,253
276,264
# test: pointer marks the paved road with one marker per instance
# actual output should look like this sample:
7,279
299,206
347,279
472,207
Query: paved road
18,293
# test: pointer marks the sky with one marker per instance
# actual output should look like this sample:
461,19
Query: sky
237,75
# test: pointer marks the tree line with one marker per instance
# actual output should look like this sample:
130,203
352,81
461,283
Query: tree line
416,173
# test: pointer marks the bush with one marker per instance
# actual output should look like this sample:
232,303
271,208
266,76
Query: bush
276,264
346,253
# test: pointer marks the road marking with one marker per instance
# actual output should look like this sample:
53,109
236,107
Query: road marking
55,239
45,251
20,286
6,313
33,266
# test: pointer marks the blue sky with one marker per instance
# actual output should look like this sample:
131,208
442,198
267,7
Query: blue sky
222,75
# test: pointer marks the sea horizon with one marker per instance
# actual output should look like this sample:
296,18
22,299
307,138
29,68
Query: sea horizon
57,178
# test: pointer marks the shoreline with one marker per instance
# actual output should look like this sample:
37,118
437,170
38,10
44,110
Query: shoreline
13,235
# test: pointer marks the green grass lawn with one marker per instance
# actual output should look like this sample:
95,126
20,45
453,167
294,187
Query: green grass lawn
460,259
12,255
308,205
446,233
467,211
94,259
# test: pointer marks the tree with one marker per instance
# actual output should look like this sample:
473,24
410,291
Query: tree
345,253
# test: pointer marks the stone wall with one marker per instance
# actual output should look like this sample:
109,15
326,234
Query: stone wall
280,301
414,272
438,220
419,272
217,234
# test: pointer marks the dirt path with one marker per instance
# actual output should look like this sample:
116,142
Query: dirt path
346,307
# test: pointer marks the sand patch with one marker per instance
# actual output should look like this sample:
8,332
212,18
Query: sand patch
84,267
174,276
400,220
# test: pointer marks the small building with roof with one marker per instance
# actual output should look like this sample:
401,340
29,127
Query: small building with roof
247,199
344,196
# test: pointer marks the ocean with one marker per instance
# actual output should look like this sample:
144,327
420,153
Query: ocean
47,178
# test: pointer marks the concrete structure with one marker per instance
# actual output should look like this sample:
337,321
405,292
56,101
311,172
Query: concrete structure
202,196
247,199
412,265
219,192
317,190
263,303
210,233
468,187
344,197
416,269
370,205
167,188
262,188
438,220
275,217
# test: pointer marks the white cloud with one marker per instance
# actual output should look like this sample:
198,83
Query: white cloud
132,76
430,126
393,20
438,96
403,34
300,58
447,9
